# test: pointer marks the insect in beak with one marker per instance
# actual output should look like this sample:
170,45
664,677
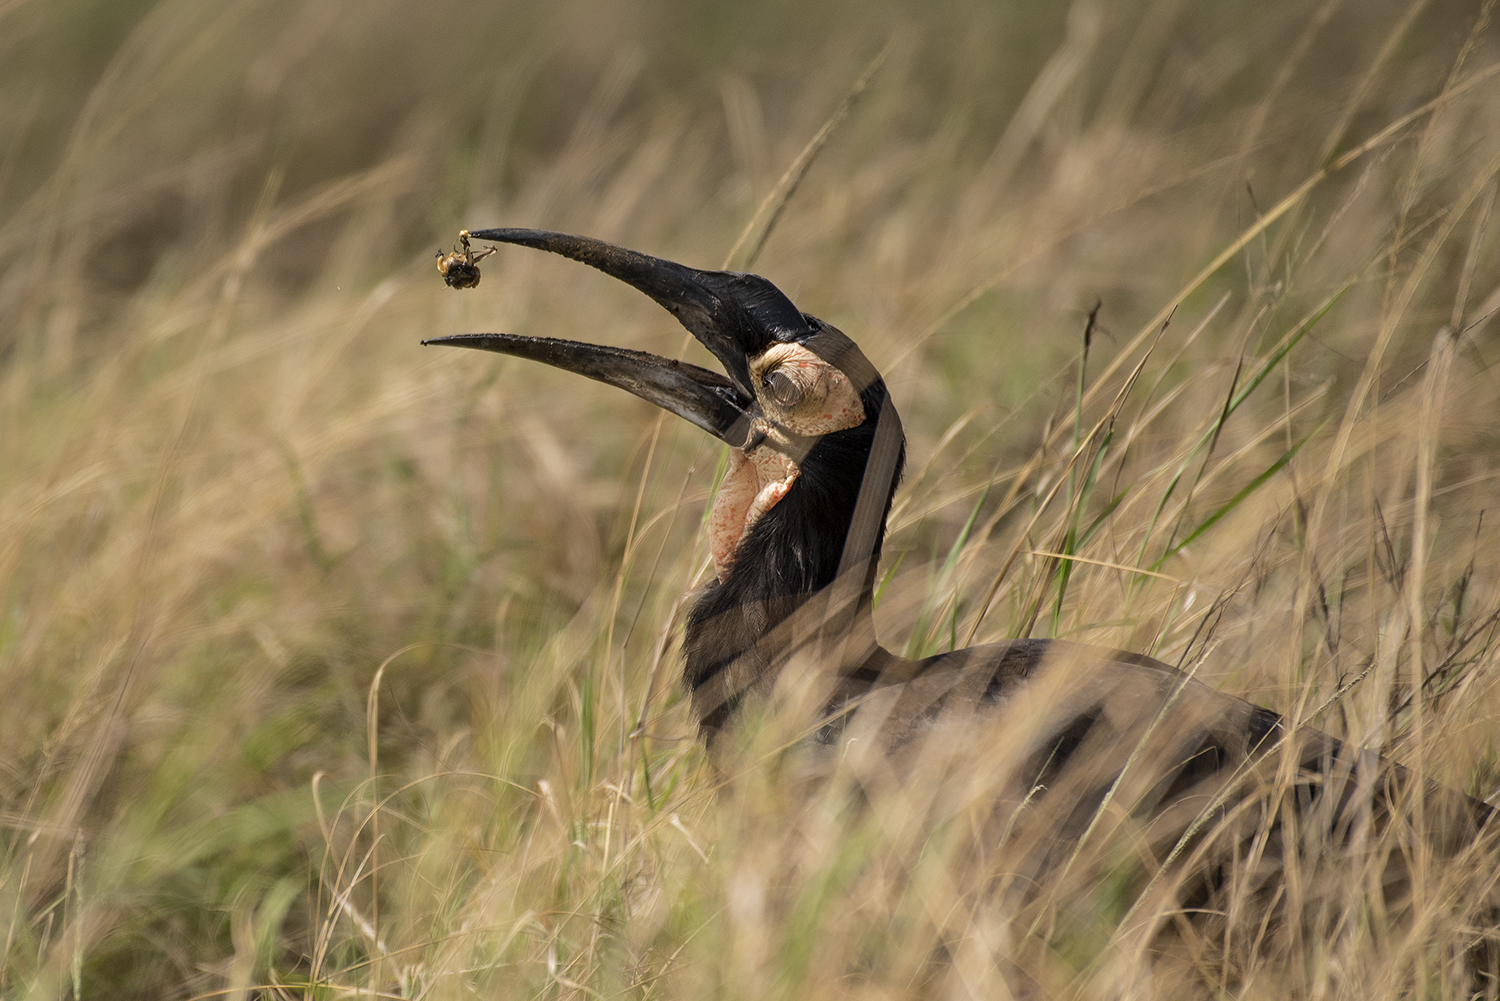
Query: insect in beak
460,269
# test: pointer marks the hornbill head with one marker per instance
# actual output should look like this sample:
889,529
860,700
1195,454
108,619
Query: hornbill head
799,407
816,446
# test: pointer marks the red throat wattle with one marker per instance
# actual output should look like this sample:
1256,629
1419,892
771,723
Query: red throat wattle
753,485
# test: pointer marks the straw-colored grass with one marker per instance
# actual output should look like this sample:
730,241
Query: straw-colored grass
331,666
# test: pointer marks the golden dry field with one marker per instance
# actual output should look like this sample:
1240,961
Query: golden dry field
332,666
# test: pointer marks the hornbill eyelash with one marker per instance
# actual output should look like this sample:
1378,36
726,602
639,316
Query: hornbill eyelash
783,389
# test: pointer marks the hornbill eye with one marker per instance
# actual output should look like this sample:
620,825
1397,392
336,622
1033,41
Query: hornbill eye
783,389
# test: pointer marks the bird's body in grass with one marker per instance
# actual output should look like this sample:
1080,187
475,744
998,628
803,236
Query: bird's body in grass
1078,736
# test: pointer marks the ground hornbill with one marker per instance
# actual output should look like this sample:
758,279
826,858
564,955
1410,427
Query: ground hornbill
816,451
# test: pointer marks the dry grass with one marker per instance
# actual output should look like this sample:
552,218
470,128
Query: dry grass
341,665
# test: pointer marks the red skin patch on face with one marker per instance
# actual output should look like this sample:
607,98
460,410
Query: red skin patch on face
829,401
757,481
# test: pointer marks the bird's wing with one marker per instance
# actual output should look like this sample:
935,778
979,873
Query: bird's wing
1072,729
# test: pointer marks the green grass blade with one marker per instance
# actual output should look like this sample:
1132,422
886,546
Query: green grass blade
1235,501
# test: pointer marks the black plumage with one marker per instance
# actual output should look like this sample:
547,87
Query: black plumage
794,594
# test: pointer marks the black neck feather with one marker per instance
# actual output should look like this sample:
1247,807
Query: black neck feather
791,554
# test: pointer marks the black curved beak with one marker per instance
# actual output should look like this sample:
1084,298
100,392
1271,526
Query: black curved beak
706,399
736,316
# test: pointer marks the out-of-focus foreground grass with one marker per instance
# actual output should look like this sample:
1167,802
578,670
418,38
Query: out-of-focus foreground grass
328,660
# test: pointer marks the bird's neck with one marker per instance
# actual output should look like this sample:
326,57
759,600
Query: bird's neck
799,588
742,632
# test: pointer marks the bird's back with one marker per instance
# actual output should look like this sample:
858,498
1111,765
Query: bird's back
1034,715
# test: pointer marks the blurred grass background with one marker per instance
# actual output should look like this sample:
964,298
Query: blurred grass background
337,667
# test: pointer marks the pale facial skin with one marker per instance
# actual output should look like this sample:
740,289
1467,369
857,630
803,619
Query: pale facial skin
802,397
